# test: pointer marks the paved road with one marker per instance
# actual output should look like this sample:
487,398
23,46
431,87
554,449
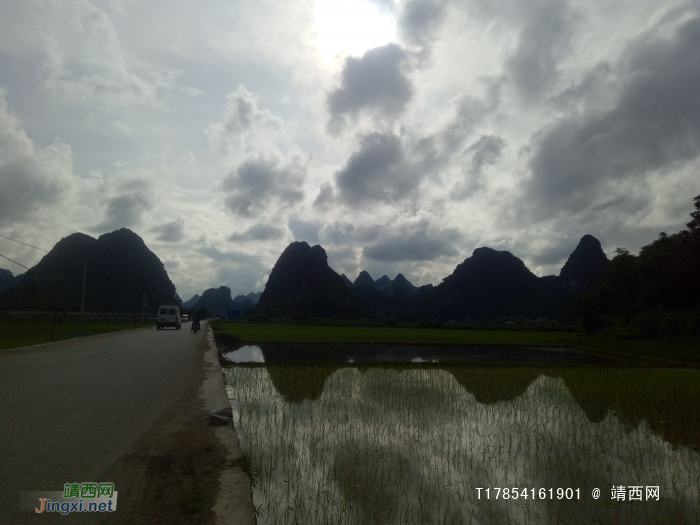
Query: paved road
68,410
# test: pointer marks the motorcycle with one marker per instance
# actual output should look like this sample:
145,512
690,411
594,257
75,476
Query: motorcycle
195,327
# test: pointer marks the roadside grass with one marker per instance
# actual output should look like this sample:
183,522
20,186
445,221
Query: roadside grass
285,333
18,333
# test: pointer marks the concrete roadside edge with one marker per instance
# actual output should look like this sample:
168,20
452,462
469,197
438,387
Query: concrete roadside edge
234,504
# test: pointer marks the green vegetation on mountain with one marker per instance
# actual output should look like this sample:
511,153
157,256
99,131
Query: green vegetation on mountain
655,294
120,270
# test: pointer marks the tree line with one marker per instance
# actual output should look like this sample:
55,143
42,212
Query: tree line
653,295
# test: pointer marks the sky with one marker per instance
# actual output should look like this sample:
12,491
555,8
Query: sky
399,135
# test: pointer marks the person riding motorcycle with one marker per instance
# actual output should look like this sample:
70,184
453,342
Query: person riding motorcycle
195,325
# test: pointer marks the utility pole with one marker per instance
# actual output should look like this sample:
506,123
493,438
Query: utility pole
143,308
375,309
55,308
82,299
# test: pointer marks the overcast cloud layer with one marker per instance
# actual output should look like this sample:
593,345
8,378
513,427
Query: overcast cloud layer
400,135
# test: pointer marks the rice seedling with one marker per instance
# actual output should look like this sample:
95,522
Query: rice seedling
422,444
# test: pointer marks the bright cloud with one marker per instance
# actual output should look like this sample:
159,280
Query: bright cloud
400,134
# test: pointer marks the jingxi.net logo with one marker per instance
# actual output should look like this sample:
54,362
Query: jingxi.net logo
76,497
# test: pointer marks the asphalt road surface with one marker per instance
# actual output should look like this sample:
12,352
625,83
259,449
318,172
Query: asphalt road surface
68,410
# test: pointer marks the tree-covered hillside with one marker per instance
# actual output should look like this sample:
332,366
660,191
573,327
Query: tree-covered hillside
655,294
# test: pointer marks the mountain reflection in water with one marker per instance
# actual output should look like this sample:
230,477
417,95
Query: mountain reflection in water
408,443
666,399
315,353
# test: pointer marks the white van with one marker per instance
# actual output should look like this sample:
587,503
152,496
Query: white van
168,315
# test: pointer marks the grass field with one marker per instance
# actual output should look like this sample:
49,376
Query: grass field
283,333
18,333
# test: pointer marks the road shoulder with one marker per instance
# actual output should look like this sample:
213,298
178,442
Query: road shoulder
234,504
184,470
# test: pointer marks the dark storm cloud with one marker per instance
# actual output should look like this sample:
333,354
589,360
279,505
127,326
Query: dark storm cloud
377,171
419,21
343,233
414,242
304,231
544,39
557,254
342,258
486,151
258,232
470,112
377,81
229,257
655,124
171,231
27,184
124,211
584,94
325,197
262,182
31,178
387,168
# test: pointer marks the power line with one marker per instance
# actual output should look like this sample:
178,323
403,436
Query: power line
70,286
92,268
35,284
37,248
23,266
69,258
15,240
42,274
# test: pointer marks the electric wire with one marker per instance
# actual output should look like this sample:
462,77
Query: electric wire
67,285
4,257
92,268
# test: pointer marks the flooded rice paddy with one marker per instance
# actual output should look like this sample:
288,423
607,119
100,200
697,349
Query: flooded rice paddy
368,353
393,443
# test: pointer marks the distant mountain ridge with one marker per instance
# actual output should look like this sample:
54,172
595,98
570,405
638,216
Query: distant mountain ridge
191,302
301,282
248,300
8,280
121,267
217,300
489,283
399,287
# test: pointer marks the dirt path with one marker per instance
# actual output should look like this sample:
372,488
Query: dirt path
185,471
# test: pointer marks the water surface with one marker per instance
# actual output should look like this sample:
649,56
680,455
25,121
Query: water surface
368,353
334,443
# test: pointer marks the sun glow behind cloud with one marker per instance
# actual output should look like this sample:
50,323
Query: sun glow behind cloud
471,128
350,27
